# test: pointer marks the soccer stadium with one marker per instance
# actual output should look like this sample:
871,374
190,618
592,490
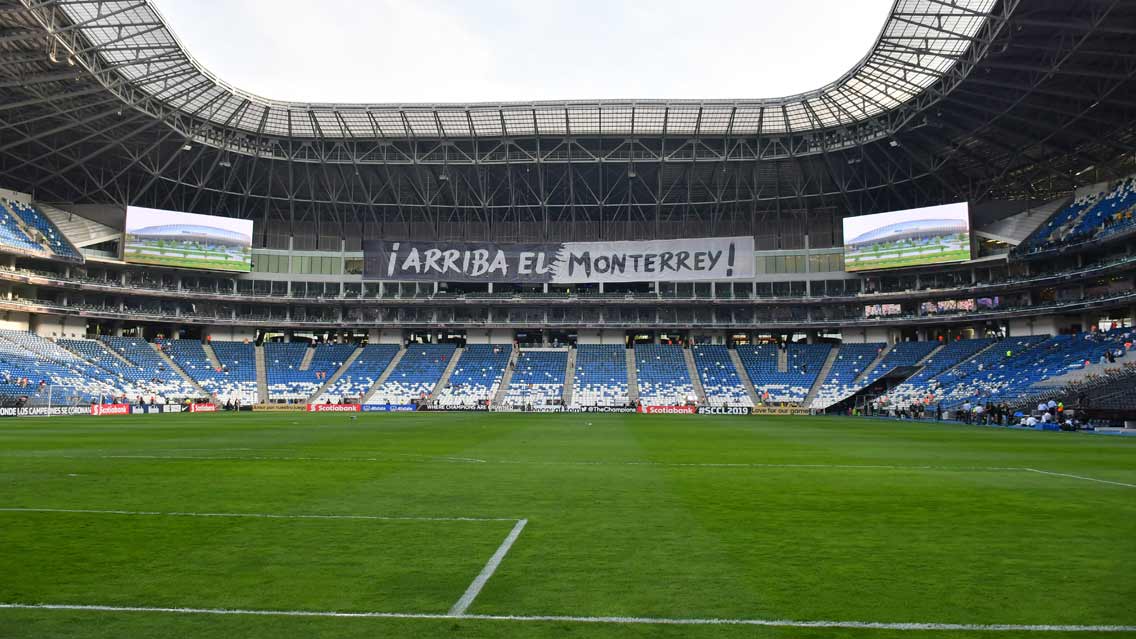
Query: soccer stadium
586,367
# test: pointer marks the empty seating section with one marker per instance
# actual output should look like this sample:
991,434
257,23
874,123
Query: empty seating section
952,353
1009,374
662,375
362,374
803,364
600,378
52,236
719,377
902,355
236,380
476,376
1088,217
286,382
415,375
11,236
851,360
53,374
149,377
538,377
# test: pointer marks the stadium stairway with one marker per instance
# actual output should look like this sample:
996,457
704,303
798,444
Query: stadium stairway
445,378
867,372
210,355
306,363
262,374
172,365
695,379
783,360
919,365
336,375
506,378
822,375
569,377
747,383
382,378
632,377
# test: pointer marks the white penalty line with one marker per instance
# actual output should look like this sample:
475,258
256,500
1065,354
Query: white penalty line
1081,477
479,581
155,513
663,621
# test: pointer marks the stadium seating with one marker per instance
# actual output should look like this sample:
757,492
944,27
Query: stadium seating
538,378
1089,217
148,377
477,375
362,374
237,378
600,378
662,375
53,374
1001,377
719,376
415,375
804,363
11,235
286,382
952,354
37,221
851,361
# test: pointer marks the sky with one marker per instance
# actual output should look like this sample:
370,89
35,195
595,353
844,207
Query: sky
407,51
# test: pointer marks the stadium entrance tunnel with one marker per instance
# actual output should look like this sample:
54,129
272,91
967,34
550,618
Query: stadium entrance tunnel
881,386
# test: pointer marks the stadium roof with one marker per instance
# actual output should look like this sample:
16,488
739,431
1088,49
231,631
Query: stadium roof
957,100
922,41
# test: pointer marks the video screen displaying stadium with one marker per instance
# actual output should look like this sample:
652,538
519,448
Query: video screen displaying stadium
913,237
187,240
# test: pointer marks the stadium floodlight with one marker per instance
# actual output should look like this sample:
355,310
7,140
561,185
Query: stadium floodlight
893,143
187,147
225,163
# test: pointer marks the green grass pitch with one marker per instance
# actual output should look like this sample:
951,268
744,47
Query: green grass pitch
660,517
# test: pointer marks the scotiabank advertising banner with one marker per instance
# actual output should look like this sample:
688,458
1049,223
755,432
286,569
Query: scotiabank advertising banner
708,258
333,408
668,410
203,408
110,409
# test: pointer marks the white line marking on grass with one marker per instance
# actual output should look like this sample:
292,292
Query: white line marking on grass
87,511
478,583
665,621
1081,477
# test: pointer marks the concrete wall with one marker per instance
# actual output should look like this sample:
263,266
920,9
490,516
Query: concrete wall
13,321
57,326
387,336
597,336
868,334
230,333
489,336
1025,326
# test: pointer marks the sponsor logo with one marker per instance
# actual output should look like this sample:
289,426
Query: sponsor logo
388,408
779,410
110,409
599,409
293,408
668,410
723,410
203,408
333,408
44,411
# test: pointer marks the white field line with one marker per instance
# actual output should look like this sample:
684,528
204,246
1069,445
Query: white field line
479,581
1081,477
665,621
86,511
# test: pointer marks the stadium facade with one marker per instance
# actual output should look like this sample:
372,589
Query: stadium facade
1022,109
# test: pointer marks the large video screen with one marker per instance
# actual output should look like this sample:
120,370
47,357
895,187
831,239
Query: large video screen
187,240
915,237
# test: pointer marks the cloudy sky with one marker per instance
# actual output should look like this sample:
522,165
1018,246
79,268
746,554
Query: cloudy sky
521,50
